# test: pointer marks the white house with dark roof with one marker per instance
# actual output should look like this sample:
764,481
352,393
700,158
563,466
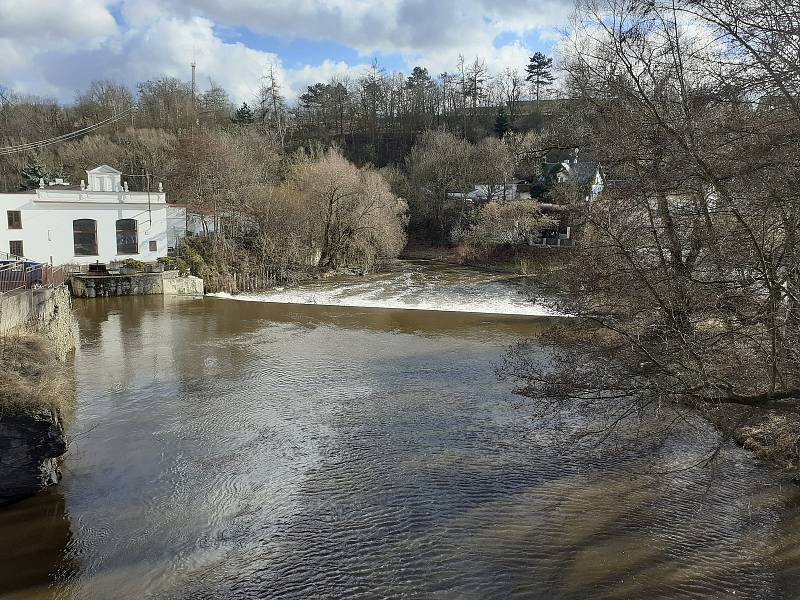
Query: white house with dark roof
569,168
101,221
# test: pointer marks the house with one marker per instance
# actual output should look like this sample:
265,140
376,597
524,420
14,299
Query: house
560,168
183,220
102,222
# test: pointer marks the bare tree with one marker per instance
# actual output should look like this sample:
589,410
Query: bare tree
355,217
686,273
439,166
273,111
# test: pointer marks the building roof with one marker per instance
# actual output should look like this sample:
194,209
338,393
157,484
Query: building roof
104,170
584,171
580,171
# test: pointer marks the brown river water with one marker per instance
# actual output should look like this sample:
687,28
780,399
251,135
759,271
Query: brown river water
329,442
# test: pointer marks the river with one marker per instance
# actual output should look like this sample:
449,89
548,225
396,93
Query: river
328,442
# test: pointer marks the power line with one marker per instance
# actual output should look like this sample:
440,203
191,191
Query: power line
62,138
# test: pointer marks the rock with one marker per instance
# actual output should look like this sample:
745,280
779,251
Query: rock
30,447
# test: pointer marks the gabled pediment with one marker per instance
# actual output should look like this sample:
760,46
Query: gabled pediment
104,170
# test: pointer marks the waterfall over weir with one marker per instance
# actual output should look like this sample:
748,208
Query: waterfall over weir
408,285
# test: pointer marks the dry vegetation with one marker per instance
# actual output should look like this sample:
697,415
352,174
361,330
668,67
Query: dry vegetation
32,379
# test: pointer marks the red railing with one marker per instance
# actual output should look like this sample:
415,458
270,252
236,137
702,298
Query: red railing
22,275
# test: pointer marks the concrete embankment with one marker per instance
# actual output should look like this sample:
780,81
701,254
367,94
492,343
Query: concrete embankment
37,390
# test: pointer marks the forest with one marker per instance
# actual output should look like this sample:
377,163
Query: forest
398,151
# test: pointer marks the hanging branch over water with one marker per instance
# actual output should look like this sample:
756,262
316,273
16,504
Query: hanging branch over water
687,274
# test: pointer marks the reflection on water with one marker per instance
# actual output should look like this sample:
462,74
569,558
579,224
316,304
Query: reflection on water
228,449
33,536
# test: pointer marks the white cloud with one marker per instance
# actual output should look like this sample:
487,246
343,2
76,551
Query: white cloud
295,81
62,45
65,22
385,26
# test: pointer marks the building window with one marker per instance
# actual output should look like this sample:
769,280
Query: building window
153,246
14,219
127,238
84,233
15,247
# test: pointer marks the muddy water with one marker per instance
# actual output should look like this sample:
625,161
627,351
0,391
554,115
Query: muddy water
328,442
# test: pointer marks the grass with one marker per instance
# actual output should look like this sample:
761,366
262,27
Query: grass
32,379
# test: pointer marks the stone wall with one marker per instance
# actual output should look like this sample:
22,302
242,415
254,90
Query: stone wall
100,286
141,284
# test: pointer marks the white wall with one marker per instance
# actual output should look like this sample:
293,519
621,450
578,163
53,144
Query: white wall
47,217
179,223
176,224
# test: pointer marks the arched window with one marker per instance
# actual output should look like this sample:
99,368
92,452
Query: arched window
127,238
84,234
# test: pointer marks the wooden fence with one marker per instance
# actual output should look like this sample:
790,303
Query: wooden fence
253,280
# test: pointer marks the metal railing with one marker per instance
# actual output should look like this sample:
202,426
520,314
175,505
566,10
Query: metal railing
24,275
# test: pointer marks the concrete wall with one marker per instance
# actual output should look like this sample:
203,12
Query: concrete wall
46,312
47,224
180,223
181,286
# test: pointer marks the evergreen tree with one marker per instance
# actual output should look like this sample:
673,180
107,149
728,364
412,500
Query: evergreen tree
32,174
539,71
243,115
501,124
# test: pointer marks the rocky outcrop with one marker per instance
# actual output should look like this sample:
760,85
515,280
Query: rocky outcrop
30,446
36,388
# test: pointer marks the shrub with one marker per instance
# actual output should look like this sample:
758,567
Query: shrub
132,263
195,262
172,263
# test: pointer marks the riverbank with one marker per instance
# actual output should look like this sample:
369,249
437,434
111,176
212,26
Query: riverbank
37,390
515,261
771,436
37,401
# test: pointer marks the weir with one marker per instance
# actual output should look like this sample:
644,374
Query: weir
407,285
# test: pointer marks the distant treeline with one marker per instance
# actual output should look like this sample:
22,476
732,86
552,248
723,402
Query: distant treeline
374,117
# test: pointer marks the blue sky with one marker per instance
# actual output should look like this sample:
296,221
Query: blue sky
56,47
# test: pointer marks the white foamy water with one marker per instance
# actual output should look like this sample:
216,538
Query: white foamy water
413,286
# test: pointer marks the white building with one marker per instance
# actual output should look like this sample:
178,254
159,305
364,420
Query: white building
98,222
183,221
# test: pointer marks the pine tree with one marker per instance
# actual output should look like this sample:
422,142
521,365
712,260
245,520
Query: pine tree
540,74
243,116
31,175
501,124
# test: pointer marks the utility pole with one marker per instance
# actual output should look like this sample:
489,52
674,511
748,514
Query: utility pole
194,89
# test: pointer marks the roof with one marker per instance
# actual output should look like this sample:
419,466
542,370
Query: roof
581,171
194,210
60,187
584,171
104,170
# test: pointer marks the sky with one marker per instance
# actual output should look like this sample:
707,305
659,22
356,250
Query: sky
55,48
